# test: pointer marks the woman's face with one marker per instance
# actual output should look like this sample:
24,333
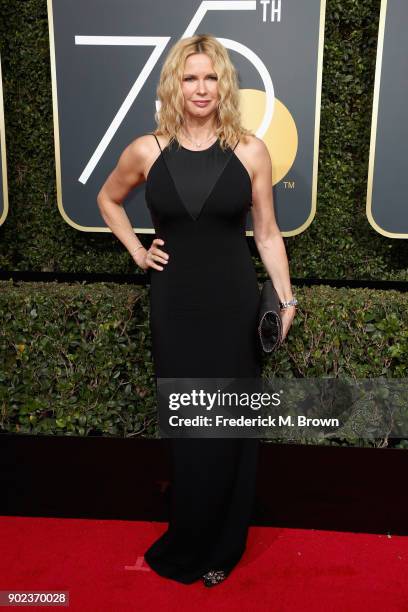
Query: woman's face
199,83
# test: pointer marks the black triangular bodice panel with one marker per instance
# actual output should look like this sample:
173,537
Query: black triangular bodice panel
185,166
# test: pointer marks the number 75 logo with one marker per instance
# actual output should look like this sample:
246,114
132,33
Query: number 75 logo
159,43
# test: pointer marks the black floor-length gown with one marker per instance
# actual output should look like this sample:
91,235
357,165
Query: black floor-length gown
203,309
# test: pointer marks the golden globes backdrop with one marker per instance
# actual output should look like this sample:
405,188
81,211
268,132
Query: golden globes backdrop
106,59
387,185
3,164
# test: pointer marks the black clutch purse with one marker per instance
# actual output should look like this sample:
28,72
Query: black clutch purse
269,318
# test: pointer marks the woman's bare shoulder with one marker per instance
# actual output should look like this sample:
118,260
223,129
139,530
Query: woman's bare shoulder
143,149
252,152
147,143
143,146
253,145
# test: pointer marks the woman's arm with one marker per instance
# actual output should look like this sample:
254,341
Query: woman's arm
129,172
267,235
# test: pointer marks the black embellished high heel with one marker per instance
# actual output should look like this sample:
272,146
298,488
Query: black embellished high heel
213,577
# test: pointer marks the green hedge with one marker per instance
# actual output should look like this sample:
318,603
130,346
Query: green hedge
339,243
76,359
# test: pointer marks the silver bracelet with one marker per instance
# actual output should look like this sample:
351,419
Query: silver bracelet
291,302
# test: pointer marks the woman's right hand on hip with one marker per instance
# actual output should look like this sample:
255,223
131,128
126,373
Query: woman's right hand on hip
153,255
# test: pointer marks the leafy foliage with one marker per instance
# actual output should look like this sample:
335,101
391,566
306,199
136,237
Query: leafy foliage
76,358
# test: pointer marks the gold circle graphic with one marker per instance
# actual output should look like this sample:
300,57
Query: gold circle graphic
281,137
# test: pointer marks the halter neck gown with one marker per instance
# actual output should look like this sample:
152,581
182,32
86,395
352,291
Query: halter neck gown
203,311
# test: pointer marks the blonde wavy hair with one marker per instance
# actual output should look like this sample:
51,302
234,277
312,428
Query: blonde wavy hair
170,117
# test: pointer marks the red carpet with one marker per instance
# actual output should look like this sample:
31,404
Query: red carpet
101,564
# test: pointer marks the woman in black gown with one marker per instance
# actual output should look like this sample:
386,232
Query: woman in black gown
204,293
